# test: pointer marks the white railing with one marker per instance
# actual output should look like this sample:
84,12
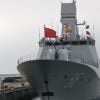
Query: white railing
78,59
84,60
28,57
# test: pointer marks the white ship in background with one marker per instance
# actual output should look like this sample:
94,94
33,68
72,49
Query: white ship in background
66,66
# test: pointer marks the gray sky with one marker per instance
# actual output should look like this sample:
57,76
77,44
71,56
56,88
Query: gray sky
20,21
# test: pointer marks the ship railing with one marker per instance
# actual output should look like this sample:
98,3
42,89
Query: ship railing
28,57
84,60
74,58
68,42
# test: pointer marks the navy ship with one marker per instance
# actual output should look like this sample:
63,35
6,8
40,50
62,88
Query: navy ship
66,67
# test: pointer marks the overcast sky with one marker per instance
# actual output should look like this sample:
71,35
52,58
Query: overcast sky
20,21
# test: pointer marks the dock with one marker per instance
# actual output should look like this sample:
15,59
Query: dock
20,93
15,88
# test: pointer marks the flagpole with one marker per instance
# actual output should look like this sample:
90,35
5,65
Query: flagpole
44,30
57,28
52,23
39,34
44,27
93,32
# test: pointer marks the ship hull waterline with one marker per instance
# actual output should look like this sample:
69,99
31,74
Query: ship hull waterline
66,79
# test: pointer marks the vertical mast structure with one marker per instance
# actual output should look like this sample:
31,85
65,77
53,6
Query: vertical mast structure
68,17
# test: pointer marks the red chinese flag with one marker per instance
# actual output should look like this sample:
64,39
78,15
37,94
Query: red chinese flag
49,33
88,33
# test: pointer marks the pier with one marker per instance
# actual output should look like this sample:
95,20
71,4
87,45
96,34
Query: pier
14,87
19,93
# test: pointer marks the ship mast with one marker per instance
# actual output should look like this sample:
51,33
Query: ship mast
68,17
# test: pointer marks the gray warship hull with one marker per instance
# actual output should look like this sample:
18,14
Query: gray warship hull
66,67
66,79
